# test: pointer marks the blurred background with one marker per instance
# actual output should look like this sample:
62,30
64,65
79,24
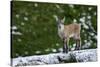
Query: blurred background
34,28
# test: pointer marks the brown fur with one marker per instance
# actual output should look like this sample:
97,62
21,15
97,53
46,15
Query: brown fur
66,32
71,31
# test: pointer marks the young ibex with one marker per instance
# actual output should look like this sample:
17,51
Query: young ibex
66,32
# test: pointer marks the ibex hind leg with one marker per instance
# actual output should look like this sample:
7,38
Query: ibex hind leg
76,47
78,44
67,49
64,48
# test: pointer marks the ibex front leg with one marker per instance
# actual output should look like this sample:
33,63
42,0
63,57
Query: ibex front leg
65,45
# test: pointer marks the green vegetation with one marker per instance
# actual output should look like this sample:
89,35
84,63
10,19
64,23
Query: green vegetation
34,29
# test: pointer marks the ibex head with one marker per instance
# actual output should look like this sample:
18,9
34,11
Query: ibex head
66,32
60,22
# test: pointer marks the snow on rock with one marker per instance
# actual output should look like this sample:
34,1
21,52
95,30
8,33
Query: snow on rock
86,45
86,55
55,58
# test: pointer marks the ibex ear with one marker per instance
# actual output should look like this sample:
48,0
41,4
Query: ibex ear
55,16
63,20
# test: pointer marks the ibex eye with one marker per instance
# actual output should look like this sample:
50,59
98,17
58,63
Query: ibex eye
59,26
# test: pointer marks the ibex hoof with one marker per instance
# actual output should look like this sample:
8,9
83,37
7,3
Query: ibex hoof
77,48
66,51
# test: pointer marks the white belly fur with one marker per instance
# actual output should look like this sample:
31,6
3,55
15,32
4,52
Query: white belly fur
60,31
72,35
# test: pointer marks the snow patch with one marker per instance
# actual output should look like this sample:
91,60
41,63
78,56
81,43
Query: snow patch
86,45
83,30
14,27
26,13
57,44
89,17
74,20
82,19
85,26
17,54
89,22
55,58
89,37
19,40
17,15
90,8
92,34
74,44
26,52
57,6
16,33
47,50
36,5
91,41
83,13
86,56
37,52
85,41
95,13
54,50
22,23
25,18
60,49
71,6
95,37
